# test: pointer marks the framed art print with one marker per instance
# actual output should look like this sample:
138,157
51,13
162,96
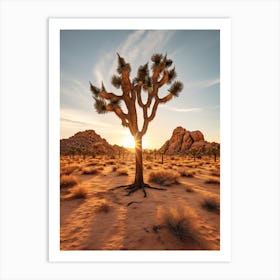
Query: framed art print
139,139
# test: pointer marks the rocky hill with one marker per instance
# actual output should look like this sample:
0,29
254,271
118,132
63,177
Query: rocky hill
183,141
88,142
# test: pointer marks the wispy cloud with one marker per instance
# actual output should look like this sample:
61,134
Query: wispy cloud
72,121
74,91
201,84
136,49
181,110
71,116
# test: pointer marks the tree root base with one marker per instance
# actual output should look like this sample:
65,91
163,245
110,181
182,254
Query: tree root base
135,187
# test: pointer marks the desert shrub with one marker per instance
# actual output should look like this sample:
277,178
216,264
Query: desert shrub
89,171
182,222
123,172
90,164
212,181
215,173
189,189
78,192
103,207
149,157
211,203
67,181
164,178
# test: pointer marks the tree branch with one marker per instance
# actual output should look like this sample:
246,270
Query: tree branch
164,79
147,119
166,98
139,97
154,110
109,95
118,111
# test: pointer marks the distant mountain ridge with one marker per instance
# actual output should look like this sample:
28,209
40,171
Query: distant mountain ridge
183,141
87,142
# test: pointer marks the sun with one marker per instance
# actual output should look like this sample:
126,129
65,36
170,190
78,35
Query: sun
128,142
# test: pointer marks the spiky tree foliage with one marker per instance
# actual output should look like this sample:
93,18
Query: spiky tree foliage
133,91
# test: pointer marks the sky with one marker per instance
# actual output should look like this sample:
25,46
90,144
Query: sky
91,55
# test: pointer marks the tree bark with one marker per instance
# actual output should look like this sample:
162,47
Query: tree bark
139,182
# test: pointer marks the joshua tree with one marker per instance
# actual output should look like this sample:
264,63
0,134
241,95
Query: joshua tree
155,153
215,151
194,153
132,96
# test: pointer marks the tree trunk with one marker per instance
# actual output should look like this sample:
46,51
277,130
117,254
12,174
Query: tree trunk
139,182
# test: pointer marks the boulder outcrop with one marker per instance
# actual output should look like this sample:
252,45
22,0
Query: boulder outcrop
183,141
86,142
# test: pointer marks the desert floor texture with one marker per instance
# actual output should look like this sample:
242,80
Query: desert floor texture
95,215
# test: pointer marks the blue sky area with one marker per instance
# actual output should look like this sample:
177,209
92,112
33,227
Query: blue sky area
90,55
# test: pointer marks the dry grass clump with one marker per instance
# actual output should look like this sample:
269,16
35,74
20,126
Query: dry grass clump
183,223
78,192
123,172
68,169
68,181
163,177
212,181
211,203
90,164
90,171
186,173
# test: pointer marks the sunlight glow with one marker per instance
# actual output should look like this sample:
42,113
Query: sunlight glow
128,142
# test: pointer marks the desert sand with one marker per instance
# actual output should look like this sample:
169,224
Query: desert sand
95,215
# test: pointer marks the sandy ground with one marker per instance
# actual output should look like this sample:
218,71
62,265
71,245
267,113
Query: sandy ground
107,219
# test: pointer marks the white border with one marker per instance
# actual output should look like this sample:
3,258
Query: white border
55,25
